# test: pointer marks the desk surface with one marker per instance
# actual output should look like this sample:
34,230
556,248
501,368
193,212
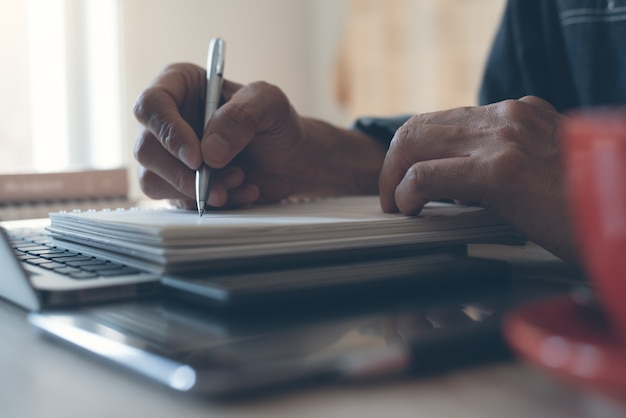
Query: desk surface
39,378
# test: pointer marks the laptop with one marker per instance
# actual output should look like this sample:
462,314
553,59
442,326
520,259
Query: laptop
41,274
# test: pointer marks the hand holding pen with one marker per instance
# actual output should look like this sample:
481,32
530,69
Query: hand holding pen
214,79
260,148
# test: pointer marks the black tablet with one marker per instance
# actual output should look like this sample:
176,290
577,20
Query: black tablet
371,280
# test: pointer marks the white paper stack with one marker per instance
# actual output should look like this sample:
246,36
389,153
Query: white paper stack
173,240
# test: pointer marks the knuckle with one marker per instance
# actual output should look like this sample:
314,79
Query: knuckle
400,137
404,136
537,102
173,67
147,183
416,177
171,78
413,193
179,181
175,70
273,91
169,137
514,111
139,108
240,114
510,107
151,183
143,104
267,89
417,119
142,147
273,95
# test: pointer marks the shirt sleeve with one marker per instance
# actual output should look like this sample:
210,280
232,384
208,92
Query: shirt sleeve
381,129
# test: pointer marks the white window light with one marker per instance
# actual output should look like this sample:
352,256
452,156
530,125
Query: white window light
75,84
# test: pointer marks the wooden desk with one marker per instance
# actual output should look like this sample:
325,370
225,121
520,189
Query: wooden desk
39,378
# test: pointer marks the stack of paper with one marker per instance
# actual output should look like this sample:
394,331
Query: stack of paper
172,240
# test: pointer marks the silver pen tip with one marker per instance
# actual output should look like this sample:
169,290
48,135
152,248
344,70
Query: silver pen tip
201,212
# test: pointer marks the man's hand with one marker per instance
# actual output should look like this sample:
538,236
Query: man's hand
503,156
263,150
252,139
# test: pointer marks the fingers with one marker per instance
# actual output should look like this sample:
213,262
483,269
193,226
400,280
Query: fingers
157,161
243,195
230,189
184,204
456,116
156,187
229,88
450,178
468,137
169,149
163,176
179,88
251,110
237,197
424,139
421,141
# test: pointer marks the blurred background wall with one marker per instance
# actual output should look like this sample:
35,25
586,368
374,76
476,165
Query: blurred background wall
412,56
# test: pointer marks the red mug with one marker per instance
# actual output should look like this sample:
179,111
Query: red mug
594,158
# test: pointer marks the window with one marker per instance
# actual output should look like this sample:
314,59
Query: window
61,85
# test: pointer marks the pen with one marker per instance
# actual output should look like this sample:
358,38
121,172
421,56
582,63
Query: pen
214,77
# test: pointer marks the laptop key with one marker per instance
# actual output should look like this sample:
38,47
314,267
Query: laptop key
69,263
67,270
71,258
83,263
102,267
34,247
47,251
37,261
63,254
83,275
51,265
124,271
24,257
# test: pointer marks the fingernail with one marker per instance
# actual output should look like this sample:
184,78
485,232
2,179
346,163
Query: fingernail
217,149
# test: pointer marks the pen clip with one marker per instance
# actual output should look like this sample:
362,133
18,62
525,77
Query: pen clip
215,62
214,75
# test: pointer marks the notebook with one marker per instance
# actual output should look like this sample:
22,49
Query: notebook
171,241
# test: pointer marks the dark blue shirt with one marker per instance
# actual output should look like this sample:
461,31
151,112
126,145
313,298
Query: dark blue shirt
572,53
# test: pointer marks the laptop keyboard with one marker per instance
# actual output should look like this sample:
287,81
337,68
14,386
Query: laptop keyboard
36,248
